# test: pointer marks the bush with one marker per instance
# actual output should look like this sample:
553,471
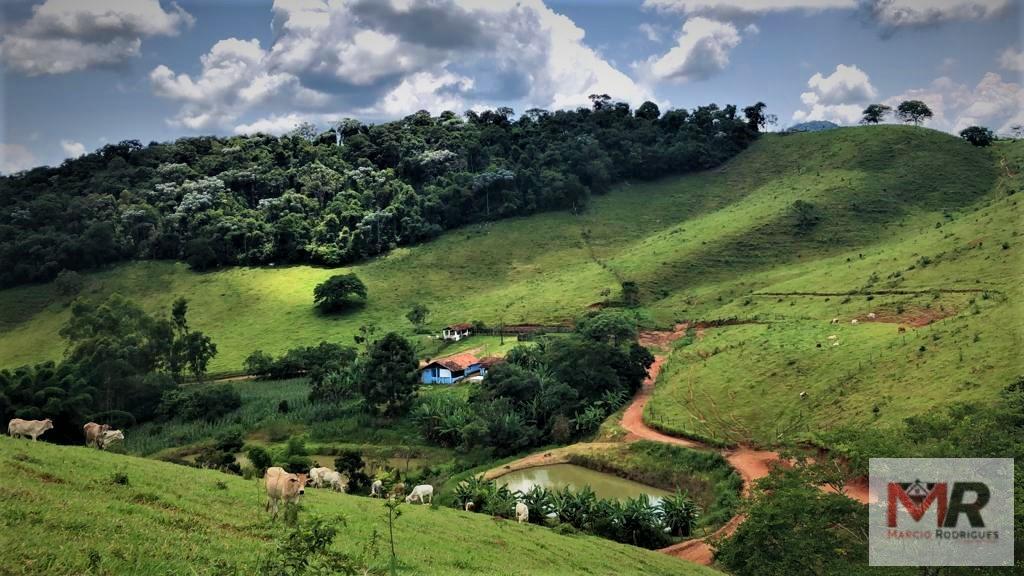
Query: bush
259,363
203,402
306,549
259,458
69,283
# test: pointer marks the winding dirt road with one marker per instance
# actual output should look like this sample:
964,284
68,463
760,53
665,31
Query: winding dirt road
751,464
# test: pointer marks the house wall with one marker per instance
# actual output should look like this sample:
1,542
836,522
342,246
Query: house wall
436,375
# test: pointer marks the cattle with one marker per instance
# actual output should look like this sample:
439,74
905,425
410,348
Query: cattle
803,395
377,489
18,428
469,506
332,479
398,490
92,433
902,329
854,321
832,337
834,321
283,486
109,438
424,494
871,316
522,513
316,476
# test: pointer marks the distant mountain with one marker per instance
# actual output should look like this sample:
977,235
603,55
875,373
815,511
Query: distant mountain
814,126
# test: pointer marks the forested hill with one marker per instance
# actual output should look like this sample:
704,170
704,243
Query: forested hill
350,192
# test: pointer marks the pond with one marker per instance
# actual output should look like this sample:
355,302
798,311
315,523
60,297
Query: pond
557,476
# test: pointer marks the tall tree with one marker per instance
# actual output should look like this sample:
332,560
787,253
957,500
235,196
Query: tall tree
978,135
874,113
389,378
913,111
338,292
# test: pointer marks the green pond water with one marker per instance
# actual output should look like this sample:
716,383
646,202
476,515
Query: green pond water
557,476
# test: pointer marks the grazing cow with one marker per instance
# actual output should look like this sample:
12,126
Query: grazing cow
871,316
834,321
424,494
854,321
109,438
803,395
282,485
469,506
522,513
93,431
377,489
332,479
832,337
398,490
902,329
316,476
34,428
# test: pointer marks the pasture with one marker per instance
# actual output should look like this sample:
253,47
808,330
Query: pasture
64,513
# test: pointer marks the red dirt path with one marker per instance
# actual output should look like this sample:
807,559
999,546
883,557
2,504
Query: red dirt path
751,464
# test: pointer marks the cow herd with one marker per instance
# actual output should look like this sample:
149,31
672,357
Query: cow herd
100,436
288,487
281,485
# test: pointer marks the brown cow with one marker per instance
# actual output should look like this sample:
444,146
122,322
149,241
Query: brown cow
93,433
33,428
282,485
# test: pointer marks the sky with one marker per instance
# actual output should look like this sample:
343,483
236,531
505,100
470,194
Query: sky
78,74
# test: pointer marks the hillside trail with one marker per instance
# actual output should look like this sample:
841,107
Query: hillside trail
750,463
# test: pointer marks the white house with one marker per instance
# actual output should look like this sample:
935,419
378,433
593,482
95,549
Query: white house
457,332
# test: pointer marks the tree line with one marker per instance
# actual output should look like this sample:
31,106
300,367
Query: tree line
349,192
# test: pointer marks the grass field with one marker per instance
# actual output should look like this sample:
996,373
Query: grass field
896,208
62,514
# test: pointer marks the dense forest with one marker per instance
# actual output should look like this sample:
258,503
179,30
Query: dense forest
350,192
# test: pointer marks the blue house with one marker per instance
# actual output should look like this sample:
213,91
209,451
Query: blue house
452,369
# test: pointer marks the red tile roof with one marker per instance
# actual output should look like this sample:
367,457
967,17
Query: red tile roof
456,362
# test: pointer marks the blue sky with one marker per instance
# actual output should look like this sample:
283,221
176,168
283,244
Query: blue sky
80,73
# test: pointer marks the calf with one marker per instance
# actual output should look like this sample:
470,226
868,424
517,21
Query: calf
522,513
398,490
424,493
284,486
93,431
109,438
32,428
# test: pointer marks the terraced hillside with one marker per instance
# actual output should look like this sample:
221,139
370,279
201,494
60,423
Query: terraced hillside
63,514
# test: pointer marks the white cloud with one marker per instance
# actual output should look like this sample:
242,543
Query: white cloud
992,103
274,124
888,14
701,51
392,57
69,35
916,13
72,149
652,32
15,158
734,7
1012,59
839,97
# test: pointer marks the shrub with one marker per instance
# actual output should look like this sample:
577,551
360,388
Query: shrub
119,478
206,402
306,549
69,283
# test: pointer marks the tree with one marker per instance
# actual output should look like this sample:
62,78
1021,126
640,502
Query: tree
806,216
337,292
389,378
875,113
69,283
913,111
630,293
757,120
978,135
648,111
418,314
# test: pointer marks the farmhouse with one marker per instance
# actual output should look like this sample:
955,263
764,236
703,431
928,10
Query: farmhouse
457,332
451,369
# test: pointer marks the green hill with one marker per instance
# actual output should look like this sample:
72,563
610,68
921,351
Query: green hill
62,514
868,211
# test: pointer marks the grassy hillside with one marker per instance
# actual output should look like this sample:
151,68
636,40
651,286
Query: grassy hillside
62,514
696,245
960,271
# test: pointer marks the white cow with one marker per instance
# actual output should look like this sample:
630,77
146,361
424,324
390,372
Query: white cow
316,476
109,438
377,489
803,395
834,321
424,493
871,316
332,479
522,513
854,321
32,428
282,485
